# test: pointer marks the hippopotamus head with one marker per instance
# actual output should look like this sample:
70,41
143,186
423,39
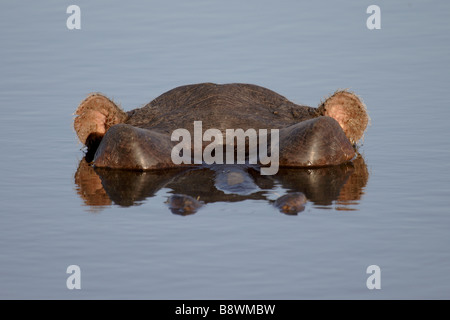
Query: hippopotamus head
143,138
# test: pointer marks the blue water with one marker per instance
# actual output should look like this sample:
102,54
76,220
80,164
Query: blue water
245,249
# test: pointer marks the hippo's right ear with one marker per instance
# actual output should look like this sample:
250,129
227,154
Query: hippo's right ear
94,116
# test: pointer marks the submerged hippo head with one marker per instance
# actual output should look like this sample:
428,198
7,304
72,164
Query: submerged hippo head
142,139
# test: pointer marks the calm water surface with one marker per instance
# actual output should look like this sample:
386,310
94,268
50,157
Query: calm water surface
390,209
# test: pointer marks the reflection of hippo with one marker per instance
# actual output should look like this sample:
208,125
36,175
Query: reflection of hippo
141,139
342,184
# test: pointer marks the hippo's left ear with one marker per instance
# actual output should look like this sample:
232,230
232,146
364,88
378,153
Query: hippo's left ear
347,109
95,115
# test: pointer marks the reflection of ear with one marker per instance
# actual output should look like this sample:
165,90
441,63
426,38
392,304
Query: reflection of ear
354,187
89,186
95,115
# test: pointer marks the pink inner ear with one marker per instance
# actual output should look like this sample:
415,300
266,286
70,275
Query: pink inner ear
338,113
99,119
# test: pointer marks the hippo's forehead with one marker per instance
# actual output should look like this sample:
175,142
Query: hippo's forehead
219,106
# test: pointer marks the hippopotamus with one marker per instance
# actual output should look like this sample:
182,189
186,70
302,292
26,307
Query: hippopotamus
141,139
